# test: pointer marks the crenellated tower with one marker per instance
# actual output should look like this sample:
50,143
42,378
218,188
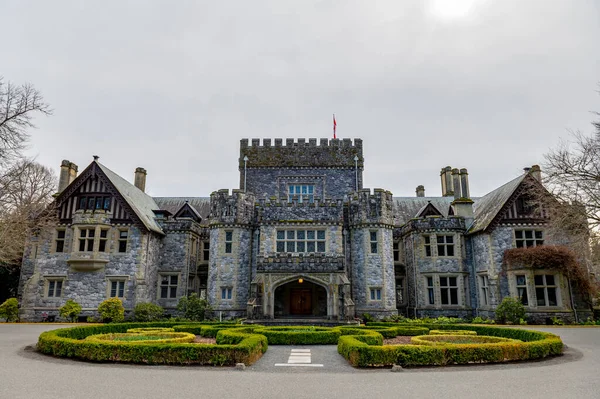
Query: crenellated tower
371,240
231,219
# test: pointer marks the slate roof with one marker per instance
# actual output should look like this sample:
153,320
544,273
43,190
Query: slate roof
141,203
487,207
406,208
172,204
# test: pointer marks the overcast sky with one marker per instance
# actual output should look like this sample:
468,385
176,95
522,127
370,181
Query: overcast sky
172,86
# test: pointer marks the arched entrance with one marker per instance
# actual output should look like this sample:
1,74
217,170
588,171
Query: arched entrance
300,298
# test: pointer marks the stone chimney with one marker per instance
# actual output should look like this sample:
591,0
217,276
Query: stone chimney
536,172
420,191
462,204
72,172
464,184
140,178
63,179
447,183
456,183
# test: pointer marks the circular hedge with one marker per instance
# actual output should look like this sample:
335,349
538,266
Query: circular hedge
150,329
150,337
452,332
233,346
460,339
521,345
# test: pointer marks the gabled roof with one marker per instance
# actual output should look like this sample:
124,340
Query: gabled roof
406,208
429,210
201,205
140,202
487,207
188,209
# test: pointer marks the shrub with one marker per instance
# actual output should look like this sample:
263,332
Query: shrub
457,339
452,332
510,310
152,337
367,317
535,345
70,310
111,310
300,335
192,307
9,310
242,347
481,320
150,330
145,311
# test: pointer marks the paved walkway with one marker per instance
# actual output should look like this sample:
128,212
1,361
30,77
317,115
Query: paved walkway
25,374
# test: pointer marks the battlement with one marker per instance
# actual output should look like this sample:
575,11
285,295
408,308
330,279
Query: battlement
324,153
231,207
371,207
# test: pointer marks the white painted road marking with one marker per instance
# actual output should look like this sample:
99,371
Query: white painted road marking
299,358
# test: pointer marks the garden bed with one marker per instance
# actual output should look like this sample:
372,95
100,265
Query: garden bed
231,346
521,345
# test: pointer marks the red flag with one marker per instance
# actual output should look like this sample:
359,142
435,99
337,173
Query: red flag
334,127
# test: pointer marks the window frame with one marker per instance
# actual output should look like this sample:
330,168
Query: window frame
205,251
483,282
116,279
293,188
121,240
445,245
169,286
433,290
375,294
227,293
545,287
522,242
319,244
228,241
60,240
400,285
524,287
54,280
427,246
396,251
447,289
373,242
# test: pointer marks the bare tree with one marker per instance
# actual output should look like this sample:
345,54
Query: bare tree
18,104
26,191
572,174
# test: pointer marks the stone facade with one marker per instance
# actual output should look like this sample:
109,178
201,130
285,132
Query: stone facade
300,238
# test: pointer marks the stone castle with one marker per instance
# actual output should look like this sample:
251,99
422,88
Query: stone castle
300,238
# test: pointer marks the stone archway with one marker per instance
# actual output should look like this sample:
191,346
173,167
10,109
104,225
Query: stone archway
300,298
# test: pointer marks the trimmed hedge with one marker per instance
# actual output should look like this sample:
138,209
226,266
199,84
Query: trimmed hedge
457,339
205,330
300,335
150,330
392,331
242,347
162,337
535,345
452,332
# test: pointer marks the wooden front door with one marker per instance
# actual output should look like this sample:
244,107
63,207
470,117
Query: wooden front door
300,301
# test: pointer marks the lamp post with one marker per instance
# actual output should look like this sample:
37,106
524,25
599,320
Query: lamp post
245,162
356,170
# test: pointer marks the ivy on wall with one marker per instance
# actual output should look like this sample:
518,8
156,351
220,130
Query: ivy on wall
553,257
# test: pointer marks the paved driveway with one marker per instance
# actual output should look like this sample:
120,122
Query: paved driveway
26,374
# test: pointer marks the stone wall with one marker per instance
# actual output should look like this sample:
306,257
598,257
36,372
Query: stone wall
88,288
328,183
